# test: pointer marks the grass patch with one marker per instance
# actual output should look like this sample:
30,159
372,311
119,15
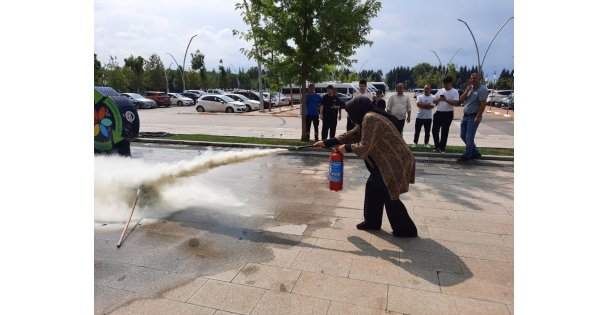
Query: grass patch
296,142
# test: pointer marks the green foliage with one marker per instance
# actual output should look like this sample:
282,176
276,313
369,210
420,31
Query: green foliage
154,74
198,63
296,40
137,66
98,72
116,76
222,80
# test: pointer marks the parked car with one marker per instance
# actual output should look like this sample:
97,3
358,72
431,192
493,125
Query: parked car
219,103
252,95
418,92
180,100
193,96
249,103
278,99
140,101
216,91
197,92
508,102
496,96
161,98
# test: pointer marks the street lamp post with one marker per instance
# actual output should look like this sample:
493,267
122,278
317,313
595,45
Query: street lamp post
184,62
167,80
480,63
238,83
444,73
177,64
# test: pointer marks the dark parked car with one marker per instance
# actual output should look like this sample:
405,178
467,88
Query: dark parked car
253,96
161,98
116,122
191,95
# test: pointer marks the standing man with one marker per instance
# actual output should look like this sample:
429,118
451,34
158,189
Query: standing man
362,91
399,106
331,112
445,99
379,101
424,116
474,98
312,111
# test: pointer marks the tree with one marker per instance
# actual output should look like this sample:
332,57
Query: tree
98,72
198,63
137,66
222,78
116,76
154,74
301,38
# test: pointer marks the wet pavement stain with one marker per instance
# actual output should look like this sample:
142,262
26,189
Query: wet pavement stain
193,242
122,278
283,288
249,270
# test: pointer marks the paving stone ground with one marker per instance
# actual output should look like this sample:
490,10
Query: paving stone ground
290,246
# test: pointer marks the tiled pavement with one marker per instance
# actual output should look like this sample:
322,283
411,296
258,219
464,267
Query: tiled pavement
300,253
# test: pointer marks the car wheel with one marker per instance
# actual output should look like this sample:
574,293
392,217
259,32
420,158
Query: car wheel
229,110
248,108
200,109
180,103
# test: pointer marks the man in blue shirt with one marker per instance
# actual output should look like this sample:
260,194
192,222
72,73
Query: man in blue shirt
474,99
312,111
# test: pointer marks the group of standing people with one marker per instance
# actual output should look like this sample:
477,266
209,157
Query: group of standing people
329,109
376,136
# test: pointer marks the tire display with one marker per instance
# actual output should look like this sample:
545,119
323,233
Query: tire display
116,122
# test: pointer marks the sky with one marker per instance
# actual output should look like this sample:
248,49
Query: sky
404,33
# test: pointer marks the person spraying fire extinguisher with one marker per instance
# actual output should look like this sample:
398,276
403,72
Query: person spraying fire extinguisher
377,140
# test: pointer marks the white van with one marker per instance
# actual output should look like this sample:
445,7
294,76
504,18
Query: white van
344,88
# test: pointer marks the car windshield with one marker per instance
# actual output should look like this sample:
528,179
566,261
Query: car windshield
135,95
225,98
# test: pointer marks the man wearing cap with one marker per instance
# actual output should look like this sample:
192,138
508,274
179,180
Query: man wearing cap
330,112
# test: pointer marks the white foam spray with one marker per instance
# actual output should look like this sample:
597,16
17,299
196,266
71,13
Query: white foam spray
166,187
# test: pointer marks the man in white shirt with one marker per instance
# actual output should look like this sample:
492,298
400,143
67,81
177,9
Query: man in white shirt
399,106
362,91
445,99
424,116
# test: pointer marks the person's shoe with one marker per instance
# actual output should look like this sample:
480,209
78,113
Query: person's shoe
438,150
428,146
366,226
403,234
476,156
414,145
463,159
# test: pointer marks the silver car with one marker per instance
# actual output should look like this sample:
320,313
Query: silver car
140,101
249,103
180,100
219,103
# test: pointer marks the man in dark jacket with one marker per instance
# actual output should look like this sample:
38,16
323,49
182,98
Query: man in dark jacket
379,102
331,112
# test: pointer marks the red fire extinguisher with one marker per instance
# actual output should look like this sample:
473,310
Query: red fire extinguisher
336,170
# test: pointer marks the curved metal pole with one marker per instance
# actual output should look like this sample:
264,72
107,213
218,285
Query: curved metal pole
177,64
454,56
167,80
184,62
440,71
476,48
493,38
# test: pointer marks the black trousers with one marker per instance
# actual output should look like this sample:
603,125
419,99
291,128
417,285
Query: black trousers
315,122
401,125
329,126
442,120
427,127
376,198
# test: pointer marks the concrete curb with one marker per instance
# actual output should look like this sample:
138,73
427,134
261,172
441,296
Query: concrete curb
307,151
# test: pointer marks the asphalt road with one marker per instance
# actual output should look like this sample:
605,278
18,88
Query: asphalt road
495,130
